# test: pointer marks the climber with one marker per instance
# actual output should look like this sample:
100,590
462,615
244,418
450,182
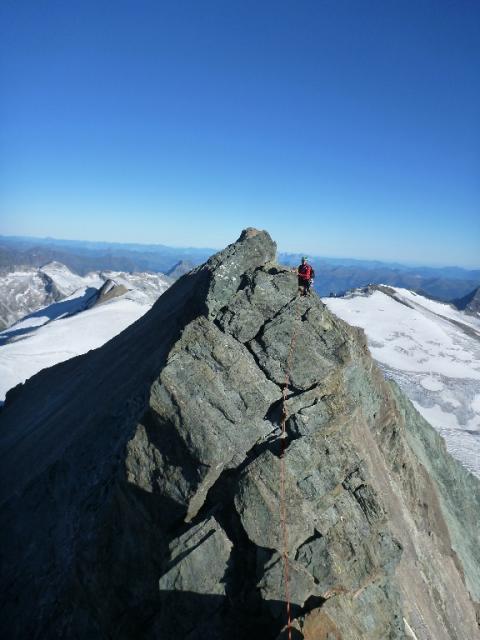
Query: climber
306,275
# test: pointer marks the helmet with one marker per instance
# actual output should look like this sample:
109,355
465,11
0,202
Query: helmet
304,257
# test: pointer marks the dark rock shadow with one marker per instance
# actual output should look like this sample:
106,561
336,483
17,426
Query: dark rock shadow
185,615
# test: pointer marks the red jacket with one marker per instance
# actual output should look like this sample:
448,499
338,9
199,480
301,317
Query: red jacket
305,272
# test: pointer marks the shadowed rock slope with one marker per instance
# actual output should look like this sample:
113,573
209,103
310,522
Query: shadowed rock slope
140,482
470,303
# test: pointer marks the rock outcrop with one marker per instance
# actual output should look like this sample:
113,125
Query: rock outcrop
179,269
109,290
140,483
469,303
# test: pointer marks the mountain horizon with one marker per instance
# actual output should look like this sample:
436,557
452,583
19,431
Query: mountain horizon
27,240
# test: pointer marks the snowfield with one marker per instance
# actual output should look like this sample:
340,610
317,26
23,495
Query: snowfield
27,289
432,351
75,324
68,282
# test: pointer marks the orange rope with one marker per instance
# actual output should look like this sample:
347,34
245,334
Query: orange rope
283,505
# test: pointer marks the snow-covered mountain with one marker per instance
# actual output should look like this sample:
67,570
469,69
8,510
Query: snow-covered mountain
27,289
432,350
100,306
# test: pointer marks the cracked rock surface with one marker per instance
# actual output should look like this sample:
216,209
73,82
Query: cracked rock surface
140,484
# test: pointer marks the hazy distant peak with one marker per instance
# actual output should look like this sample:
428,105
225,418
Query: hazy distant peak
469,303
179,269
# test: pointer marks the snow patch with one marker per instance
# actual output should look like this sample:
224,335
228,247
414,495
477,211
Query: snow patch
69,328
431,384
432,351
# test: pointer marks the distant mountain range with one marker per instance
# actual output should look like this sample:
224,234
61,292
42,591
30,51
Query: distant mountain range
336,276
65,315
83,257
333,275
26,289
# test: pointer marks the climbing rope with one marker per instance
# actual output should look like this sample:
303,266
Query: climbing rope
283,501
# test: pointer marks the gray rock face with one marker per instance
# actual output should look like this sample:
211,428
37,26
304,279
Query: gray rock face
140,490
107,291
179,269
210,398
203,551
469,303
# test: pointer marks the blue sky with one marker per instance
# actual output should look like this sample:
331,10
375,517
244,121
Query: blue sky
345,128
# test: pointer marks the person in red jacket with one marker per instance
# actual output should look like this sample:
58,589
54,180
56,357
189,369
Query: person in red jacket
305,277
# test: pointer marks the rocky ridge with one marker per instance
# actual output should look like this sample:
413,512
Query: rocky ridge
179,269
140,484
469,303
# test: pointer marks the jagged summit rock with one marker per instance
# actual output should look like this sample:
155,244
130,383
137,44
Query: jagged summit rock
139,487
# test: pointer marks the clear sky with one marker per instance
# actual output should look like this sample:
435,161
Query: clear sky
345,128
